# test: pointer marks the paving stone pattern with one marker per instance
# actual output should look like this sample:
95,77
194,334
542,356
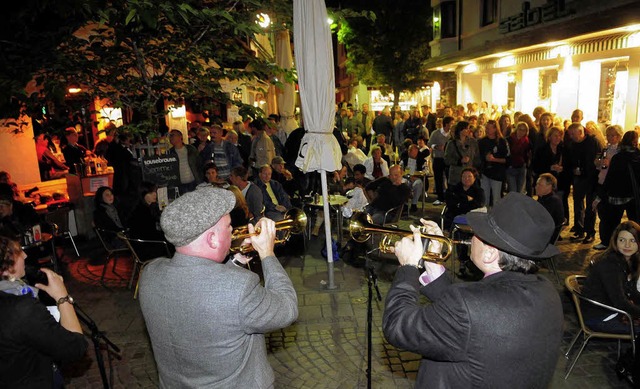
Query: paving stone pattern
326,347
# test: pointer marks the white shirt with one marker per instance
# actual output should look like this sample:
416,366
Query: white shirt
357,202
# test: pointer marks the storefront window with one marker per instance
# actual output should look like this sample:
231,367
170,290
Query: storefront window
613,92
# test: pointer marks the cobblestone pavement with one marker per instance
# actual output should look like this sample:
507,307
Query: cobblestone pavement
325,348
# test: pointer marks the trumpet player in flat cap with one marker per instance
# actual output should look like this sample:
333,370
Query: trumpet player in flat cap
501,332
207,319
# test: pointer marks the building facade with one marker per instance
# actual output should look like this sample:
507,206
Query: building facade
558,54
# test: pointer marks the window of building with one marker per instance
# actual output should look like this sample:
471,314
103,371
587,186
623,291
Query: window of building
613,92
444,20
488,12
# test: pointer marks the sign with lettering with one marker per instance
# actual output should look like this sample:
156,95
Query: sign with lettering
531,16
162,170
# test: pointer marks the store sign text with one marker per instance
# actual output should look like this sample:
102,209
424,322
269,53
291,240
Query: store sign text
551,10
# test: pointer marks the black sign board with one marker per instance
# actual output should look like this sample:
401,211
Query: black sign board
162,170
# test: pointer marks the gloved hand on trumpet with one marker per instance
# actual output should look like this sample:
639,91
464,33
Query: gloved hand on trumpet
410,249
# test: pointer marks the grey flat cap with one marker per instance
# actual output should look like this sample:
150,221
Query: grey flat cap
191,214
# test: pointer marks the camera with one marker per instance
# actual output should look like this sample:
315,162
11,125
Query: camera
35,276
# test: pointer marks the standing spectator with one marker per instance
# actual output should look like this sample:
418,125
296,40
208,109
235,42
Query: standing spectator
188,160
505,125
104,146
228,310
461,151
382,124
412,125
614,135
252,194
438,141
126,172
244,142
617,194
430,118
520,157
582,155
461,327
202,139
32,342
494,152
73,152
224,154
262,148
550,159
366,118
398,133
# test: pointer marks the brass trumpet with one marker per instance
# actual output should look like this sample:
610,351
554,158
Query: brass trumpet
294,222
361,228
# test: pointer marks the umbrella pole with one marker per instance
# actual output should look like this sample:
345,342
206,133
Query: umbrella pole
327,227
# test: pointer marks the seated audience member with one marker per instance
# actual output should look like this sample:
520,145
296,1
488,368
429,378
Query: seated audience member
413,161
611,280
240,214
106,215
49,165
354,155
360,173
32,342
281,174
375,165
276,200
388,192
463,197
144,222
251,192
210,172
335,181
15,217
357,199
385,148
546,187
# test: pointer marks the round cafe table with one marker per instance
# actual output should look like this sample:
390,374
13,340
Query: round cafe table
335,202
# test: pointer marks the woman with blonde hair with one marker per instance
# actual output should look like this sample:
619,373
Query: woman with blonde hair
240,214
591,128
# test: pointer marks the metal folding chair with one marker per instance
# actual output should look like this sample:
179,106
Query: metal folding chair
107,238
58,218
138,261
573,284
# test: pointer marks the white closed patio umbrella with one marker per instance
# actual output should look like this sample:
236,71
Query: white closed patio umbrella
319,150
286,95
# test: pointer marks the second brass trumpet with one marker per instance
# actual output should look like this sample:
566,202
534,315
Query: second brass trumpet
362,228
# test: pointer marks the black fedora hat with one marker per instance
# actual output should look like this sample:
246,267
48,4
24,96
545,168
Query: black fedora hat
517,225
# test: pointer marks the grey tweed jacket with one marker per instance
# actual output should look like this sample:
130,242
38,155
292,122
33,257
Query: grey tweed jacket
207,320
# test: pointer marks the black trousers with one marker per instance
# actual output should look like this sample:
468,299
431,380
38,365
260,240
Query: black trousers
611,215
439,175
584,217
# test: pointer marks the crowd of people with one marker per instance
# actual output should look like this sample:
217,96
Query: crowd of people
246,175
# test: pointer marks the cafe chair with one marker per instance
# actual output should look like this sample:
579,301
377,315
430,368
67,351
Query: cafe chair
392,216
109,239
551,262
139,249
573,284
58,218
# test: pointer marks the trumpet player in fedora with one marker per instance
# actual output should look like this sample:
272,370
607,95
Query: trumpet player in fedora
206,319
500,332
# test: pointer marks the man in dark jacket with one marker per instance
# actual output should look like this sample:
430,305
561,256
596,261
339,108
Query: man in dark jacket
188,162
502,331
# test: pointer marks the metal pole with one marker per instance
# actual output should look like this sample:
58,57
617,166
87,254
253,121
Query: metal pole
327,227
